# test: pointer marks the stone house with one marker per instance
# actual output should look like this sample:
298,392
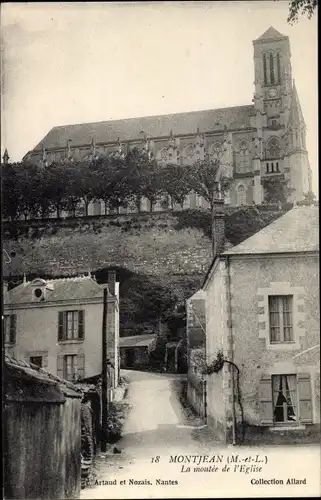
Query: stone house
263,315
57,325
263,139
135,350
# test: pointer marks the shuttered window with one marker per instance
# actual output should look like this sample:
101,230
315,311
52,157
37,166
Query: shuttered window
9,327
71,325
285,399
71,366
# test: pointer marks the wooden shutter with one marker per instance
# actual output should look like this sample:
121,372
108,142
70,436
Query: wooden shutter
266,401
81,365
81,324
305,398
61,317
13,324
60,366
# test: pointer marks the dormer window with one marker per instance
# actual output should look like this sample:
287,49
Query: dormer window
40,288
38,292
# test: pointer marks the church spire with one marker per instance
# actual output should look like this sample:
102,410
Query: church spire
296,118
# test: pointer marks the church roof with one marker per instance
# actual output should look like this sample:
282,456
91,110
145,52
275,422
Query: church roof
295,231
271,34
237,117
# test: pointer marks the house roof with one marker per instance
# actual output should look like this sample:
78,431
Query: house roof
21,369
271,34
295,231
137,340
237,117
56,290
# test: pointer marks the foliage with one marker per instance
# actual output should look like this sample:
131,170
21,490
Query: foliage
300,8
117,412
176,183
309,196
207,181
216,365
276,189
197,359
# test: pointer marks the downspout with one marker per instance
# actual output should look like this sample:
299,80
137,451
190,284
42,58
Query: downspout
230,344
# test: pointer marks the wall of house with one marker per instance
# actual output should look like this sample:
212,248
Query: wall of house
251,278
37,334
216,335
42,449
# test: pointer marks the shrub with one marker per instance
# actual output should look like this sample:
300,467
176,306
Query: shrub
115,421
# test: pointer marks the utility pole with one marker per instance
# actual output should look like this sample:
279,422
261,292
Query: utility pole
104,374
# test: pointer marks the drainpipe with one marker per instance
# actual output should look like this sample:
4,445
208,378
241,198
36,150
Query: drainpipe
230,346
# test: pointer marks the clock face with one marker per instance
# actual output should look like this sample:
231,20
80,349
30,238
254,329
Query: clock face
273,93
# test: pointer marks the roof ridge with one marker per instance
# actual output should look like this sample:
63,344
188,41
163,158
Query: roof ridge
148,116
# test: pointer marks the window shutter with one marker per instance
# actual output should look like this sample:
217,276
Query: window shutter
60,326
81,324
13,323
266,401
60,366
305,398
81,365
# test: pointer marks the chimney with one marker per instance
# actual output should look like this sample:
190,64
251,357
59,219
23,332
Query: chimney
111,281
218,232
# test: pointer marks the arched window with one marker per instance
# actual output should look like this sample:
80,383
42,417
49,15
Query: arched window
215,150
241,197
278,64
273,149
265,69
243,162
188,154
272,74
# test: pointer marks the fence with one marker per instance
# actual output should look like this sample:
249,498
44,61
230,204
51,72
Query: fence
196,393
42,434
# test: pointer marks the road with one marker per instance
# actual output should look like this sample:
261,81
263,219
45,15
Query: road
156,427
156,438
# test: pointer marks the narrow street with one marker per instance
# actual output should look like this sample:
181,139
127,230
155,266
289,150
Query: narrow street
156,427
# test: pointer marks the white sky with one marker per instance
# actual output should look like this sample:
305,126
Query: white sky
72,63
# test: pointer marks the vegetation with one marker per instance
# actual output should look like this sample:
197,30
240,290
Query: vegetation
32,189
117,412
301,8
276,189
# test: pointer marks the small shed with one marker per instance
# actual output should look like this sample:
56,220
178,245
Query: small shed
135,350
42,433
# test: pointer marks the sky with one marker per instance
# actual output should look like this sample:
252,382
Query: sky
66,63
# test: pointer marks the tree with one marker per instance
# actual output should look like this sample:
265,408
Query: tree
176,183
57,185
207,181
82,185
11,201
112,182
301,7
276,190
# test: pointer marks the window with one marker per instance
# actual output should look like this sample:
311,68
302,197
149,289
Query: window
243,158
278,63
273,149
265,69
267,168
71,366
241,197
284,389
280,315
271,68
285,399
71,325
36,360
9,327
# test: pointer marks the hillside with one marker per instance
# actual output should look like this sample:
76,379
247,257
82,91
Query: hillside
160,258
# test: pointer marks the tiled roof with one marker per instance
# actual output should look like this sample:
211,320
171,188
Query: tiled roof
137,340
57,289
153,126
295,231
39,374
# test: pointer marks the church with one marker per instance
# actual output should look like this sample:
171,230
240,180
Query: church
263,139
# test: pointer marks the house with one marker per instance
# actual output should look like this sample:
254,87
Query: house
263,331
258,141
135,350
196,321
42,433
57,324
